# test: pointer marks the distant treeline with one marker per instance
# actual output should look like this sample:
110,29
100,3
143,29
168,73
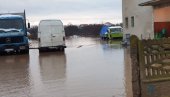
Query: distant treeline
92,30
83,30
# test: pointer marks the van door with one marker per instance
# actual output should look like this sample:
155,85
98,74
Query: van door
45,34
57,35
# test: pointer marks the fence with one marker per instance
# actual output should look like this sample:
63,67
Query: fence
150,67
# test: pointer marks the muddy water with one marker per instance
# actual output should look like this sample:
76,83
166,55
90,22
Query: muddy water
88,68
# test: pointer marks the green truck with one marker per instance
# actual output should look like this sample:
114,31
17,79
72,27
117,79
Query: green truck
115,32
111,32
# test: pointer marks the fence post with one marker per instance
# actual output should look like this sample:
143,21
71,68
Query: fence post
136,88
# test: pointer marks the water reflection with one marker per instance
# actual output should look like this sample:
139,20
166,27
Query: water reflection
95,72
77,41
111,44
47,73
88,68
14,76
52,65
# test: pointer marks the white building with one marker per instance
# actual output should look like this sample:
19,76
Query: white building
161,15
137,20
145,18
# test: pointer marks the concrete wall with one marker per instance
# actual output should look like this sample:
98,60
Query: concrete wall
150,83
143,16
128,73
156,89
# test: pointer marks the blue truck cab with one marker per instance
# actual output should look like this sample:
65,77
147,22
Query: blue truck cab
13,33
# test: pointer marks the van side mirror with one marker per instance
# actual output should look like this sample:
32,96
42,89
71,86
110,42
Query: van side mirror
28,25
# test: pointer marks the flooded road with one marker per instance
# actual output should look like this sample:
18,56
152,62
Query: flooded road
89,67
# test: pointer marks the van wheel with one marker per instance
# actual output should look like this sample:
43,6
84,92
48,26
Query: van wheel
42,49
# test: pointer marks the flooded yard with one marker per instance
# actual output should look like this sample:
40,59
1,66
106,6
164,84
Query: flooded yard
89,67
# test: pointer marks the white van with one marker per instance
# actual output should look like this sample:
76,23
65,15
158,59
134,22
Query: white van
51,35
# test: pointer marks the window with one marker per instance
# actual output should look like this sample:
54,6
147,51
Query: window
114,30
132,21
11,23
126,22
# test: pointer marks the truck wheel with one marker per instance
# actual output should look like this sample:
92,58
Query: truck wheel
24,51
40,50
62,49
2,52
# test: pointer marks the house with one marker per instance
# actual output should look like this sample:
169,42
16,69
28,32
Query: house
146,18
161,16
137,20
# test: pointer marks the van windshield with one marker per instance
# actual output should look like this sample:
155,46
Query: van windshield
115,30
11,25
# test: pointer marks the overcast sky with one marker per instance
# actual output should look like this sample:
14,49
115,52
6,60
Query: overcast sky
69,11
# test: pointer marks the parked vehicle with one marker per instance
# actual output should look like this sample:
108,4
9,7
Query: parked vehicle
115,32
111,32
13,33
51,35
103,32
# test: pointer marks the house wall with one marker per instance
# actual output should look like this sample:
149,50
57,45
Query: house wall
162,14
159,26
162,20
143,19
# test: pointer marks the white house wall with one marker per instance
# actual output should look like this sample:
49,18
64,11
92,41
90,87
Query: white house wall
143,19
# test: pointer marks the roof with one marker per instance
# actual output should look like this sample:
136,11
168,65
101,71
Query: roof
154,2
9,16
50,22
115,27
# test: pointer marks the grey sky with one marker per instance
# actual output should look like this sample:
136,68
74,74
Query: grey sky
69,11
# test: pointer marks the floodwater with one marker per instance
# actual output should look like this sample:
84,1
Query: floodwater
89,67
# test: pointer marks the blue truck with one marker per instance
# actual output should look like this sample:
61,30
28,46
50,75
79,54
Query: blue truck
13,33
